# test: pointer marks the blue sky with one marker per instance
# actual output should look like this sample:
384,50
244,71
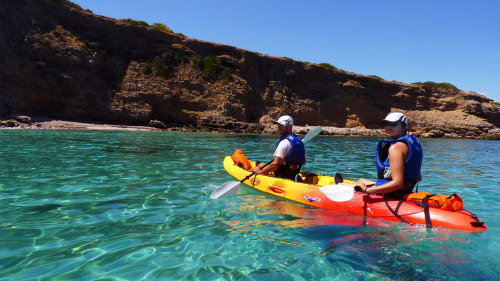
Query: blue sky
453,41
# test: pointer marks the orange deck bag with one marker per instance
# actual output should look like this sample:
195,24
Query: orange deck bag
241,160
444,202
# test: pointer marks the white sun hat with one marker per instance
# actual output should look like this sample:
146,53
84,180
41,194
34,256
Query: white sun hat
285,120
394,117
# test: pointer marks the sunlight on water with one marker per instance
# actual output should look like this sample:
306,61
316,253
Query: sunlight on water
84,205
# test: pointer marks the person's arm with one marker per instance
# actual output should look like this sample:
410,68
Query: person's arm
279,154
397,155
269,168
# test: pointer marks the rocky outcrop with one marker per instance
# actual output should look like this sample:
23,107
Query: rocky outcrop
62,62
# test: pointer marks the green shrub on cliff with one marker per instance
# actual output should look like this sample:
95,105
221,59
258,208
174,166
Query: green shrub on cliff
210,66
159,68
376,77
156,25
136,22
213,69
161,27
196,61
439,85
328,66
155,67
225,74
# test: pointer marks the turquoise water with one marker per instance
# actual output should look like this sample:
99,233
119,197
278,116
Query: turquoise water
89,205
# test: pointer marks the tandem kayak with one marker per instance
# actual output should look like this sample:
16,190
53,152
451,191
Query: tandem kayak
320,191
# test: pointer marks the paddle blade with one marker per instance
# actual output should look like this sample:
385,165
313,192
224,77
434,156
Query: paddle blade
338,192
226,189
312,133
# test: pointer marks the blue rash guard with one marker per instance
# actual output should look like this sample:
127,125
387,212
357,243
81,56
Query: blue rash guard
412,164
294,159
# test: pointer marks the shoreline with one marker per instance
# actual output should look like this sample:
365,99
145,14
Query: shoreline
269,129
45,124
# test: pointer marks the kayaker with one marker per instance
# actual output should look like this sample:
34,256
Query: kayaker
289,155
398,160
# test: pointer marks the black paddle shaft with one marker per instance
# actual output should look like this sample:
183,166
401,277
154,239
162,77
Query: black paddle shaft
253,173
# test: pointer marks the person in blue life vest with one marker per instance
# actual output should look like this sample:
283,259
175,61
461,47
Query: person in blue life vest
289,155
398,160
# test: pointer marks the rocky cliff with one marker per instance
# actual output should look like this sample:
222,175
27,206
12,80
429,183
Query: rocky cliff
61,62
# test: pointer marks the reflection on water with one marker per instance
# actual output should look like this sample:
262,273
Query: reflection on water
293,215
86,205
415,253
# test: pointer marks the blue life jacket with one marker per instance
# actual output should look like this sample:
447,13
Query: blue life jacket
294,158
412,164
297,154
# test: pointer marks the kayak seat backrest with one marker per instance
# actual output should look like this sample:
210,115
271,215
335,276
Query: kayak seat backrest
325,180
310,178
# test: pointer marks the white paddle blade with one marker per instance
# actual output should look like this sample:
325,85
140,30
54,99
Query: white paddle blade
312,133
338,192
226,189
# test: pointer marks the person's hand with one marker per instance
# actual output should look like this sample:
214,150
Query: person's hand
257,169
361,187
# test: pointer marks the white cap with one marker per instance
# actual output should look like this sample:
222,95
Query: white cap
285,120
396,117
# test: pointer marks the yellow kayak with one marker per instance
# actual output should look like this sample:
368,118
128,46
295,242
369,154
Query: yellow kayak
317,190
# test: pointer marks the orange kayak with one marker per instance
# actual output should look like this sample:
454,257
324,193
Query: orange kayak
320,191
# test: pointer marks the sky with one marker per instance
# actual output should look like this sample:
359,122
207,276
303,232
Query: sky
452,41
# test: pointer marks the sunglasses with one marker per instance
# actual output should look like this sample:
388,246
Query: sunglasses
390,124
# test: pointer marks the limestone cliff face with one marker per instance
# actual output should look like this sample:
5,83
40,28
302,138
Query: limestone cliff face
62,62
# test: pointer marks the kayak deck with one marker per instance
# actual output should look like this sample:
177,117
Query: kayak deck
307,190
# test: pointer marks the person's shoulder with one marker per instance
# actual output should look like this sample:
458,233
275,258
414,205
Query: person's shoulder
399,146
284,142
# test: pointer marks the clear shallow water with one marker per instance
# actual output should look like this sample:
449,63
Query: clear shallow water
85,205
